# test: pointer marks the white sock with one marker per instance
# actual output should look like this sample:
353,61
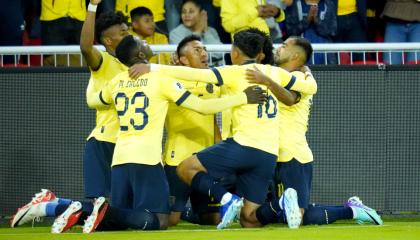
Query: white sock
226,198
42,209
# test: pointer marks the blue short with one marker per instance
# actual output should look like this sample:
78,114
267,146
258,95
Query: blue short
253,168
179,191
97,161
140,186
294,174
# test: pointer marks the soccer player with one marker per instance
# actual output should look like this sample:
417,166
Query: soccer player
189,132
138,179
294,164
110,29
252,152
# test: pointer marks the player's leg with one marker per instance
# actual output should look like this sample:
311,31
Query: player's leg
179,193
97,161
44,204
108,218
151,190
206,208
205,170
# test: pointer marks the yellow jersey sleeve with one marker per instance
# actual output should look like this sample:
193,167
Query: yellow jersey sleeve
296,82
107,125
188,73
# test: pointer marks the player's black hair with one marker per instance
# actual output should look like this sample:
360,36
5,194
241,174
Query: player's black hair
126,50
139,12
195,2
107,20
249,43
185,41
304,44
267,46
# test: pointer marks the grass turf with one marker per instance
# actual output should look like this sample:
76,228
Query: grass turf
392,229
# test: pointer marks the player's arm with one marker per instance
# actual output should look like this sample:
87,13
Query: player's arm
180,72
92,55
251,95
283,95
100,99
301,83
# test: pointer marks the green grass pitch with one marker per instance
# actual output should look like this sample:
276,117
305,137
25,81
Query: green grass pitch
394,229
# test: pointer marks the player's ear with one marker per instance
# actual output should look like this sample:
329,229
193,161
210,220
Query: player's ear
106,41
184,61
260,57
141,55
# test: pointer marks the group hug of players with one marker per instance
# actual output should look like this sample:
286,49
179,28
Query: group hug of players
257,170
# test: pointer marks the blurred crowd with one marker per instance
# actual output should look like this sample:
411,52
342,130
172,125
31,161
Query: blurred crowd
59,22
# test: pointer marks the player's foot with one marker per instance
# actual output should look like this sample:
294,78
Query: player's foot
68,218
362,213
289,203
32,210
230,211
99,209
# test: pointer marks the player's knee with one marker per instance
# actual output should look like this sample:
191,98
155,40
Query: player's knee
163,221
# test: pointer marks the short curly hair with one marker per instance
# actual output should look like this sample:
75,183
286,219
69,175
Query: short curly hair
249,43
267,46
107,20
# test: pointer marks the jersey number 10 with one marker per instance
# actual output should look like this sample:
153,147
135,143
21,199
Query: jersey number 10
270,108
138,110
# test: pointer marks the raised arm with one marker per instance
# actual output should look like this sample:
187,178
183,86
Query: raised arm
87,37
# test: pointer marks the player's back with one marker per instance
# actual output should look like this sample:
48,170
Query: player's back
252,125
141,105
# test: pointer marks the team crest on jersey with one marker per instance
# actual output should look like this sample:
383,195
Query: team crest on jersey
209,88
178,86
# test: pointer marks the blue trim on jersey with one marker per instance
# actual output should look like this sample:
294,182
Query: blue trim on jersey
182,98
218,76
290,84
102,99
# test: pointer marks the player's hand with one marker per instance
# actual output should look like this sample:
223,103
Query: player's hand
255,94
305,69
95,2
256,76
138,69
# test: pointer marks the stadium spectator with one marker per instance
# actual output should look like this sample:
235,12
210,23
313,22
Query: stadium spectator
294,164
61,24
156,6
12,26
315,20
351,24
194,21
143,26
402,25
238,15
172,13
189,132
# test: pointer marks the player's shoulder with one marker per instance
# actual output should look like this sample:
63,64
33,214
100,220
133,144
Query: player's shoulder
298,74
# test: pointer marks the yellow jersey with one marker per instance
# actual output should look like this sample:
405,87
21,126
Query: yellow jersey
255,126
345,7
55,9
293,127
142,104
189,132
106,128
156,6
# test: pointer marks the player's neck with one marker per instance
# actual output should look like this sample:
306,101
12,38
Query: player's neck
290,66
